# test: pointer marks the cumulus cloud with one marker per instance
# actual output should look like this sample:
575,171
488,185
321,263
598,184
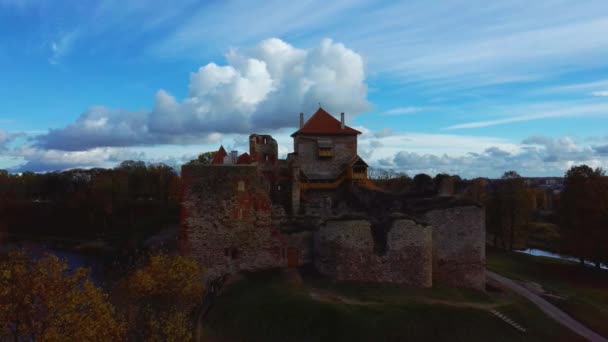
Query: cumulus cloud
39,160
602,150
538,155
3,138
6,138
261,88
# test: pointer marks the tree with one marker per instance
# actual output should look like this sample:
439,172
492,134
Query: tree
203,158
423,183
444,184
164,294
41,300
584,213
508,210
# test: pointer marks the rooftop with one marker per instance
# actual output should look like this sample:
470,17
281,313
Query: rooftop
321,122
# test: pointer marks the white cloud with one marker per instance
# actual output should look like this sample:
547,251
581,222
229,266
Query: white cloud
262,88
462,43
535,156
572,109
4,137
403,110
40,160
62,46
601,93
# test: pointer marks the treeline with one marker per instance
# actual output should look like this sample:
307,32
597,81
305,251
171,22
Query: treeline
127,201
421,184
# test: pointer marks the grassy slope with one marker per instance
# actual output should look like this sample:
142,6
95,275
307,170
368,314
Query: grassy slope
585,289
264,307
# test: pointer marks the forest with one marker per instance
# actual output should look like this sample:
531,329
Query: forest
126,203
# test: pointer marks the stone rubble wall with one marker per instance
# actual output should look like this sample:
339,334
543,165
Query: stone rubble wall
230,224
227,222
344,250
458,246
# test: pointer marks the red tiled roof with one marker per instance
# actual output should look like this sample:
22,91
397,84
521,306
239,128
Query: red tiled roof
244,159
321,122
218,157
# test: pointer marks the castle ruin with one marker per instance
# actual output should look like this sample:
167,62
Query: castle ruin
255,211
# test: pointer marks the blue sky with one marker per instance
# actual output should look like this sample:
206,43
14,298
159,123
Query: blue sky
468,87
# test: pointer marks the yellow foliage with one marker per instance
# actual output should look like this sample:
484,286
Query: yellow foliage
165,292
40,300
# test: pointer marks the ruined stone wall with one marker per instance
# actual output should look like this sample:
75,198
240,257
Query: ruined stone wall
458,246
227,220
344,250
345,148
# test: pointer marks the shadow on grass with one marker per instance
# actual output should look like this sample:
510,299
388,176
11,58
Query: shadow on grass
265,307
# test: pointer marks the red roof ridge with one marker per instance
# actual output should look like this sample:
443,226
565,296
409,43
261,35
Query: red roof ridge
218,157
321,122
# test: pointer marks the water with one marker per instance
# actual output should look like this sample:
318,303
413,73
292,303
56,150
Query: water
97,264
540,252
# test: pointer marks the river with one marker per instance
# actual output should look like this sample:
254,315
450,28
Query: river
540,252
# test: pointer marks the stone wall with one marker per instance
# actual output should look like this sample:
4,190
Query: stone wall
345,149
344,250
229,223
458,246
227,220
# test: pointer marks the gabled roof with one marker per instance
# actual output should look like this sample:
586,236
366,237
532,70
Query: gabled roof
244,159
358,161
218,157
321,122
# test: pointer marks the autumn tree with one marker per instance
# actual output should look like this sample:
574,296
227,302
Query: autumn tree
584,213
476,190
40,300
509,209
164,294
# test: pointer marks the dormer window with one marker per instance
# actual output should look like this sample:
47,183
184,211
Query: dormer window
326,148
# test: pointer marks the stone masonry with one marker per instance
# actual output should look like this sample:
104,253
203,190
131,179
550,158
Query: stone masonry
458,246
227,220
344,250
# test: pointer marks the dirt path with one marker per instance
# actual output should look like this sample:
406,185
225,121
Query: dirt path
548,308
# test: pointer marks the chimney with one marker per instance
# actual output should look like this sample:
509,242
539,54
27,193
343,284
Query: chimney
301,119
342,120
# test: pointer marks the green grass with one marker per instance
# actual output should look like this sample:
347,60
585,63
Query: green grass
265,307
585,289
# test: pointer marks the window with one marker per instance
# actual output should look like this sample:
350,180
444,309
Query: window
241,186
266,157
265,141
326,148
